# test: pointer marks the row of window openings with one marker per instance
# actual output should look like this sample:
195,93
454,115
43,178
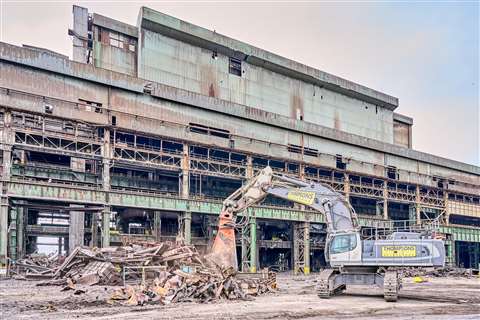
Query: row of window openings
222,133
119,40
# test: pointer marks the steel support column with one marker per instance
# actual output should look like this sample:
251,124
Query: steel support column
301,248
385,200
447,210
253,244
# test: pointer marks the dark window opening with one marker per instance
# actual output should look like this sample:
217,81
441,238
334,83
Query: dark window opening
392,173
440,182
306,151
235,67
340,164
47,158
114,120
310,151
216,132
294,148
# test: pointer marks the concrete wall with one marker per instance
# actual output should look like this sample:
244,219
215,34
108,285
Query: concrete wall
181,65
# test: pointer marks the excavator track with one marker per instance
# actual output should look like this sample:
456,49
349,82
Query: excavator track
325,284
391,286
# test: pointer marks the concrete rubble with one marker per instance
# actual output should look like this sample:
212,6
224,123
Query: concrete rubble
149,272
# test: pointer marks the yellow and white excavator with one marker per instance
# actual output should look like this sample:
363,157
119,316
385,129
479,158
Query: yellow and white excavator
351,260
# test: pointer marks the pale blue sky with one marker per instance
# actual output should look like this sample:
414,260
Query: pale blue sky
424,53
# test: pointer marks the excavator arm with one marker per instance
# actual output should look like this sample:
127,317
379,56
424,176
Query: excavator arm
339,215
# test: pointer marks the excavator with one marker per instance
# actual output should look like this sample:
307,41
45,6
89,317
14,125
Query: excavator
351,260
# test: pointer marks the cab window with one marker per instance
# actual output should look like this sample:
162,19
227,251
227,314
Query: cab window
343,243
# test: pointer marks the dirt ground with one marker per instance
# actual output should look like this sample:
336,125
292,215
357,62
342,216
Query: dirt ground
439,298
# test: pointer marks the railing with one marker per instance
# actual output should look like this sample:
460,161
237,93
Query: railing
427,228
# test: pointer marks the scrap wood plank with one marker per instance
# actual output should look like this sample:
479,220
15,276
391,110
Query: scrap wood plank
67,261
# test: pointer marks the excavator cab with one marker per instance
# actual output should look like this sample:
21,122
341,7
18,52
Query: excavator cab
343,248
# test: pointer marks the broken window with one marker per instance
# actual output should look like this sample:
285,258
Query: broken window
340,164
306,151
392,173
310,152
212,131
294,148
121,41
235,67
91,106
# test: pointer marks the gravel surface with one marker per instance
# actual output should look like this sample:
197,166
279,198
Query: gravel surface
439,298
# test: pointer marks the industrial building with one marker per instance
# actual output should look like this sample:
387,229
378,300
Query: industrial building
149,127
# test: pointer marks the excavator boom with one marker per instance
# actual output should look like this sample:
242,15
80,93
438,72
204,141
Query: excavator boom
339,215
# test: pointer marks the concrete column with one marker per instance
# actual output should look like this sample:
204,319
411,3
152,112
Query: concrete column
249,171
253,244
306,243
447,210
385,200
94,230
186,217
80,27
106,227
185,182
76,228
187,227
12,234
418,215
106,213
7,140
106,159
157,225
346,186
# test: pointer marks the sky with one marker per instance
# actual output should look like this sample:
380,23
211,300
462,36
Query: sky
425,53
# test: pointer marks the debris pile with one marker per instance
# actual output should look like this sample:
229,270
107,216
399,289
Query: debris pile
150,273
438,272
36,266
204,285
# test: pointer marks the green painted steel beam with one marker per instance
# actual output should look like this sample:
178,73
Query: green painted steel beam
76,194
462,233
253,245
